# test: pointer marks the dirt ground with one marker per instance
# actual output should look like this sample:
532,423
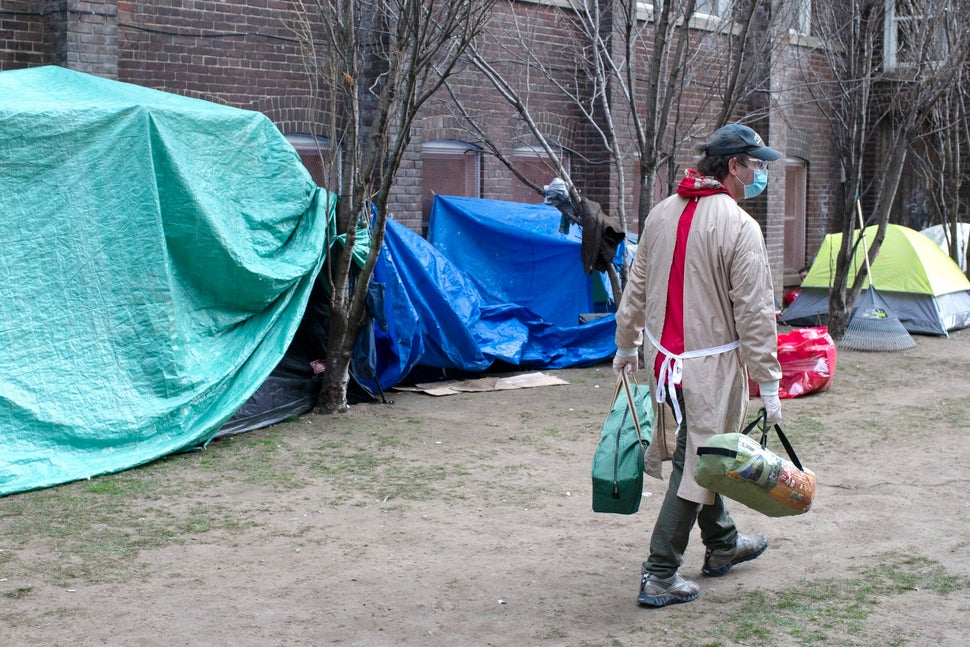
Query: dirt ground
466,520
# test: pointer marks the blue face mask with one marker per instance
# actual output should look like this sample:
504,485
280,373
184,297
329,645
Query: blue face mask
757,186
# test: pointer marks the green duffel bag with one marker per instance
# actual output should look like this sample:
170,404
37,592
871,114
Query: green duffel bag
618,461
742,469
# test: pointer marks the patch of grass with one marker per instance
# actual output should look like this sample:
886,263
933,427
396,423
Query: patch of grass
411,481
611,641
833,611
848,367
953,411
959,547
18,593
806,429
806,613
107,486
265,460
548,440
371,470
556,633
914,574
95,530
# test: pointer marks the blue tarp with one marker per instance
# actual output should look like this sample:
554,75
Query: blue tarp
158,254
496,281
514,253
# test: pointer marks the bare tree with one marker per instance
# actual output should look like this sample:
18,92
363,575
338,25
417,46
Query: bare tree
719,57
626,78
879,97
373,64
940,157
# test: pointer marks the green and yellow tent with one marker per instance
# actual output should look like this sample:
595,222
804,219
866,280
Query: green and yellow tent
919,282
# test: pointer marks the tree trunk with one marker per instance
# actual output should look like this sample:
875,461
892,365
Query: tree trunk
340,348
615,284
376,63
838,321
648,180
333,394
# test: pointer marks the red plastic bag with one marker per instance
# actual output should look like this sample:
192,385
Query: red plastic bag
807,357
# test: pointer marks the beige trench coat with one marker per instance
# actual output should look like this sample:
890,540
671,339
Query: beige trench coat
727,296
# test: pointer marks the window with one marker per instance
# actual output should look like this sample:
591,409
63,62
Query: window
796,192
912,36
565,4
703,8
718,8
448,168
315,155
799,15
534,164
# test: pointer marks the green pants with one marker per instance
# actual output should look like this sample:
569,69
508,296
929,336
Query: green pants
672,530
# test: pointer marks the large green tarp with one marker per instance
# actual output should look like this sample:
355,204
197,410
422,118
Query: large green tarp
158,254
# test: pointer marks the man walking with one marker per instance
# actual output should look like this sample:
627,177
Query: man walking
699,291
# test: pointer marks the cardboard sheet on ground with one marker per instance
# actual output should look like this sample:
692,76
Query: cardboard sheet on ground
483,384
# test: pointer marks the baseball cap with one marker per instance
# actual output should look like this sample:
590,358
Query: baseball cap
735,139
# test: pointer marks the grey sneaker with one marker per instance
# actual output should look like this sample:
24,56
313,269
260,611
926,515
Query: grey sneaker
747,547
657,592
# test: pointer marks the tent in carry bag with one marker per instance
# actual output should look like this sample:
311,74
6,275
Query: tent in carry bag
921,284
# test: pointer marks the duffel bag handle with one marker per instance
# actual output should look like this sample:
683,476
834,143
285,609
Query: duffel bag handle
624,383
761,423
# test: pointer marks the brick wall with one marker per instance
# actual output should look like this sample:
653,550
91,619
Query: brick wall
546,31
90,42
245,53
28,33
800,130
80,35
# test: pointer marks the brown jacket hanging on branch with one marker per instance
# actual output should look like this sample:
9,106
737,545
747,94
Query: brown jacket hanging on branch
602,234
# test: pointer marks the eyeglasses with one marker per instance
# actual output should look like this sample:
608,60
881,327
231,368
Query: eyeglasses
754,164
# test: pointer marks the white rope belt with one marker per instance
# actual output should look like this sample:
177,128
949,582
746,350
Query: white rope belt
672,368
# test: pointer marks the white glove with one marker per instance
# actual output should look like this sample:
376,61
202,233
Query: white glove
769,396
625,360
